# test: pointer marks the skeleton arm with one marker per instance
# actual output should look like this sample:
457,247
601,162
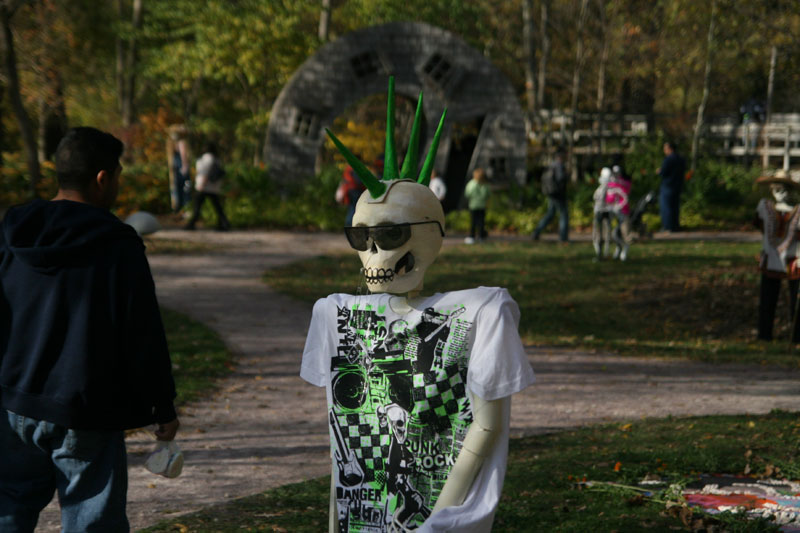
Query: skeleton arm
478,444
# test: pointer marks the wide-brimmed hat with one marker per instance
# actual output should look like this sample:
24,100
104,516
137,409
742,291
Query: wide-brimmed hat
782,177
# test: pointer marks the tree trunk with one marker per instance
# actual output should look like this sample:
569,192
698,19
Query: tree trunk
120,70
52,109
2,129
52,117
544,46
580,57
128,104
15,97
773,61
324,21
531,117
701,110
601,80
544,54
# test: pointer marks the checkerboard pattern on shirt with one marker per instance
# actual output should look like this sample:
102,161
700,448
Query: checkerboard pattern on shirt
370,442
437,395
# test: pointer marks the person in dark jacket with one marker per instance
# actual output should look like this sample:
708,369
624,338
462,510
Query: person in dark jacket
672,172
83,354
554,187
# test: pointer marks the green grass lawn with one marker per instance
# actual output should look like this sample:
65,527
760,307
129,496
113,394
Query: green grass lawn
543,491
697,300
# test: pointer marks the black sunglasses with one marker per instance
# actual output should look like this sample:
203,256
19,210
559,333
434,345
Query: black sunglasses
386,237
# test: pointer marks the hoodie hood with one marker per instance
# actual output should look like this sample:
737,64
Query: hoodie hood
50,234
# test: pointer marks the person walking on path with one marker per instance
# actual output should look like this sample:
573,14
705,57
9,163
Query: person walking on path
208,184
349,192
438,186
672,172
84,355
554,187
477,195
178,156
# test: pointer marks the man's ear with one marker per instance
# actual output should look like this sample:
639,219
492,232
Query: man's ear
102,179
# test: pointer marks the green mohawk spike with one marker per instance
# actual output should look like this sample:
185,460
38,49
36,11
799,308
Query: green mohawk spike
412,155
376,186
427,168
373,184
390,171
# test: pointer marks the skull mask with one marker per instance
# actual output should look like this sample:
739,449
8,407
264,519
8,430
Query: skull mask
393,264
398,223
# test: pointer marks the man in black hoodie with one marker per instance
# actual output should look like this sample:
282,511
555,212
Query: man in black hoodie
83,355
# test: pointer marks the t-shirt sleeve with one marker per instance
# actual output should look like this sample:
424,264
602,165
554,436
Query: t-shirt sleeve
498,365
317,352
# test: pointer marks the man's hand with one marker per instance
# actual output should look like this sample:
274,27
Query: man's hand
167,431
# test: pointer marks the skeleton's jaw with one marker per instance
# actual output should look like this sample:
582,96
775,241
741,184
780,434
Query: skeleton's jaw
401,279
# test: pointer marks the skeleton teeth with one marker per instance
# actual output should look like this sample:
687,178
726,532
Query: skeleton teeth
378,275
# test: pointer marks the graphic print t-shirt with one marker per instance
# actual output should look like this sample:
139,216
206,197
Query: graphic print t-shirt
398,403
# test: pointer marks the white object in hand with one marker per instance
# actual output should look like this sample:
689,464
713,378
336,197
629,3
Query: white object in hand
165,460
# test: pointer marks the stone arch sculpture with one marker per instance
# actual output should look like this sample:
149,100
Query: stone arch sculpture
484,126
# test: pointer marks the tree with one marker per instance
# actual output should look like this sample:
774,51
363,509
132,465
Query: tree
601,74
222,66
47,63
701,109
529,65
324,21
7,10
130,65
580,58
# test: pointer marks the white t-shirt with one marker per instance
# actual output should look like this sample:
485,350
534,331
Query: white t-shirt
439,188
779,241
398,407
203,168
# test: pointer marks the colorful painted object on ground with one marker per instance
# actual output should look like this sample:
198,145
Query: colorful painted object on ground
757,497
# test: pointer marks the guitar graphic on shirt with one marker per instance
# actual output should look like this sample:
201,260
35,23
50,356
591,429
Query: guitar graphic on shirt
437,361
350,472
452,316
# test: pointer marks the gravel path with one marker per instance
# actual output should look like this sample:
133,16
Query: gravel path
265,427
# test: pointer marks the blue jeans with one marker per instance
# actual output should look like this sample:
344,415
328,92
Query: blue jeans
669,203
88,468
560,204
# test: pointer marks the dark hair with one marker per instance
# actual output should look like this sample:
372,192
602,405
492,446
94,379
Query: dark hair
82,154
672,145
210,148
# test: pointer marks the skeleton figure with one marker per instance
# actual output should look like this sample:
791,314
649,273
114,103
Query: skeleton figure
779,222
398,229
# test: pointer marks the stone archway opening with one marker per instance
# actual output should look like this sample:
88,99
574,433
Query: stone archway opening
362,128
484,128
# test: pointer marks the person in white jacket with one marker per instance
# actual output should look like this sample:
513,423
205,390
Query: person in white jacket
209,174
